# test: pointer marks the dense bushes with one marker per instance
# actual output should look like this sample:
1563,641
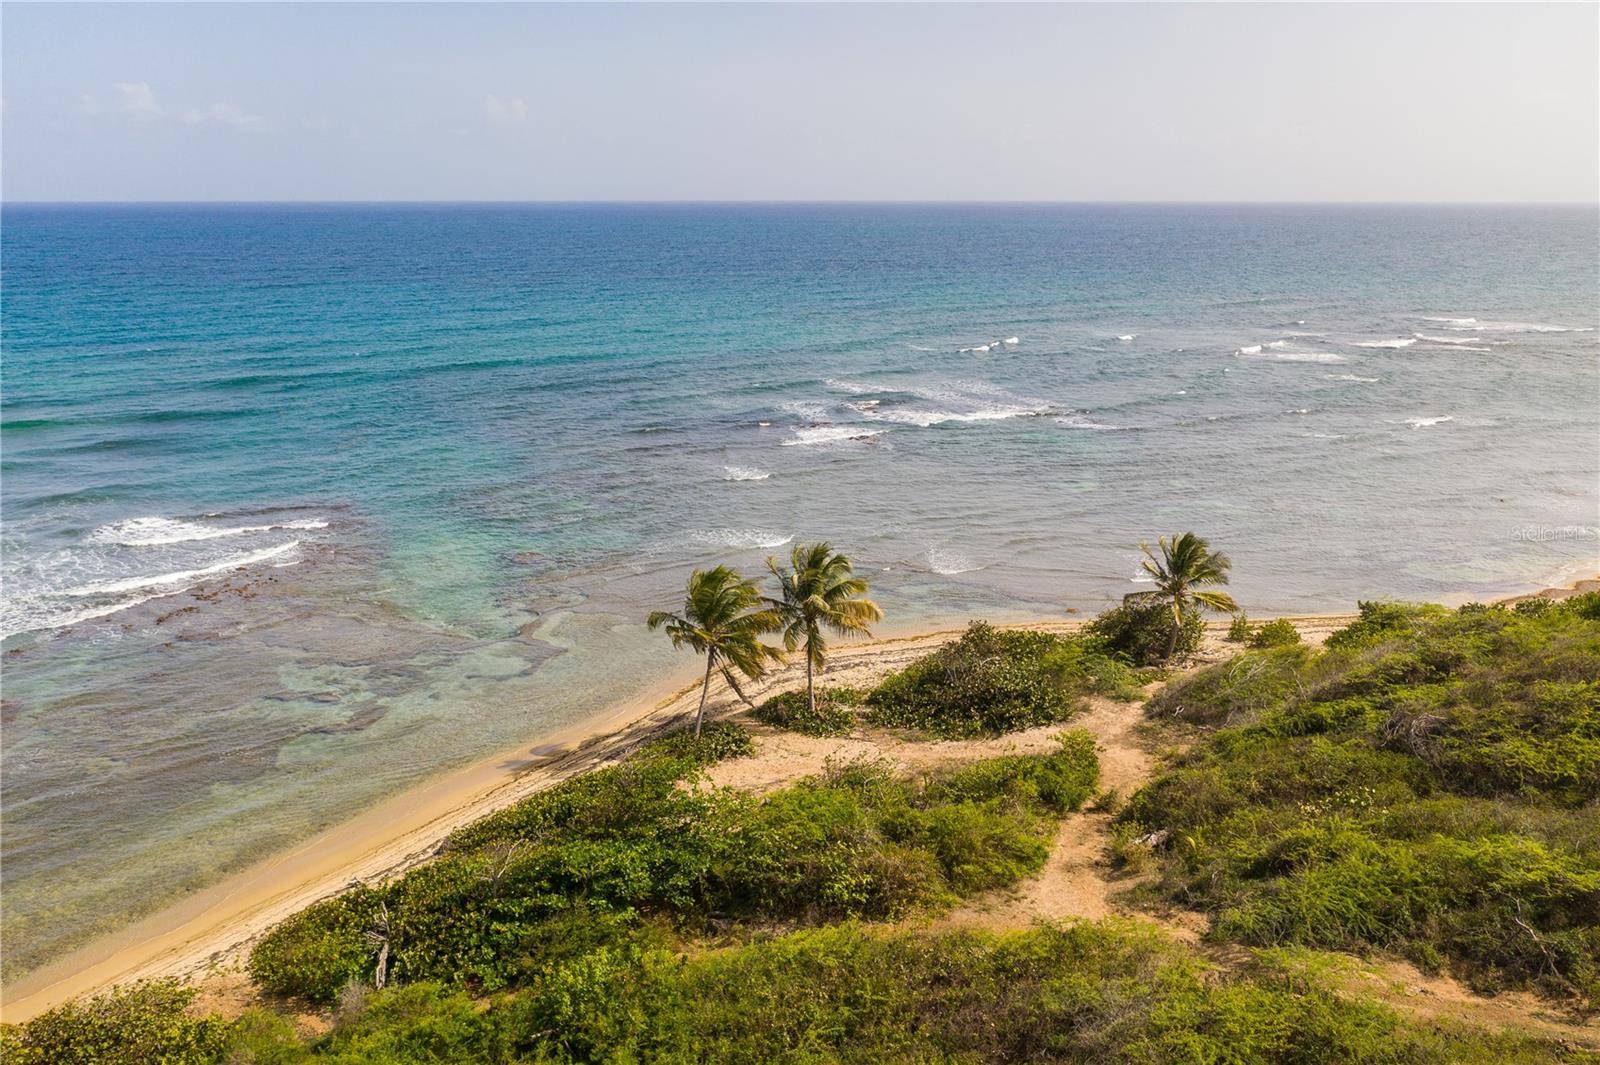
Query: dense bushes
1087,993
573,870
1427,786
1137,633
991,681
1278,632
136,1025
792,711
1236,690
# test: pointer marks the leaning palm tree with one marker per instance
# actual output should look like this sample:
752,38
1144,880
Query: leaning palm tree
721,620
1184,575
819,592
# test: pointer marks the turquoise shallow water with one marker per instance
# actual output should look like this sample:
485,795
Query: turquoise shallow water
303,504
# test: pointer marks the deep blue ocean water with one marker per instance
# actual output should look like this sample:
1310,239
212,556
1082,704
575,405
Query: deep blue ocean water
303,504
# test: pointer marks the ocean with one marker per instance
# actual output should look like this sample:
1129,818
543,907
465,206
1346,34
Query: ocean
303,505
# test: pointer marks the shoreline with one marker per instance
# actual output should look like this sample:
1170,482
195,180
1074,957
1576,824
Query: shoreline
215,927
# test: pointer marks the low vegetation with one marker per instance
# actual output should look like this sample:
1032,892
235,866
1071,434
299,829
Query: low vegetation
1141,634
1112,992
574,869
1278,632
135,1025
1428,785
833,715
991,682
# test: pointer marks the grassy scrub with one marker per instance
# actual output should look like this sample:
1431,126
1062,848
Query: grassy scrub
1427,785
792,711
1141,634
1109,992
579,868
991,682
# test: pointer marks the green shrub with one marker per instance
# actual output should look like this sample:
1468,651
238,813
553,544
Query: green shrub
1082,993
1239,628
1137,633
422,1023
1427,787
792,711
1236,690
718,742
1378,621
1085,993
1275,633
1060,783
137,1025
571,872
1078,666
990,682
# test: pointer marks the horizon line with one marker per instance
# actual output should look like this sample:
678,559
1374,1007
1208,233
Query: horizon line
4,202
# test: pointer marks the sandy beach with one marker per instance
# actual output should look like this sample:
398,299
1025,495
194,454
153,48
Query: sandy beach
213,930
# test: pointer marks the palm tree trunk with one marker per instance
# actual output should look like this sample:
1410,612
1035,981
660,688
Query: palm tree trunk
811,690
1172,638
705,690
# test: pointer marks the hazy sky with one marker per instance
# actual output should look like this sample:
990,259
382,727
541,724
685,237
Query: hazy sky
983,102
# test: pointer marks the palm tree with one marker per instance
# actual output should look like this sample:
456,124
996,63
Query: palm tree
720,621
819,592
1183,574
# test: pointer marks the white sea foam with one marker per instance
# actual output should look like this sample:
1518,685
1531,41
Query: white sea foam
29,617
1448,340
744,473
981,349
918,347
1073,421
1277,345
1256,350
1422,423
829,434
852,387
181,578
1450,321
805,408
926,418
1127,336
1292,333
152,532
740,538
948,563
1527,327
1299,410
1012,340
1397,342
1349,377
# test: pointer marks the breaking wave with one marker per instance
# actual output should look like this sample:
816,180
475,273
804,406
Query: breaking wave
740,538
153,532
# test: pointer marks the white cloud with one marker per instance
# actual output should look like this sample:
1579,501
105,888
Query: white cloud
137,100
225,114
511,109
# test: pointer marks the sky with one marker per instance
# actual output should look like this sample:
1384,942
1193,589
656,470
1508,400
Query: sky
1112,102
